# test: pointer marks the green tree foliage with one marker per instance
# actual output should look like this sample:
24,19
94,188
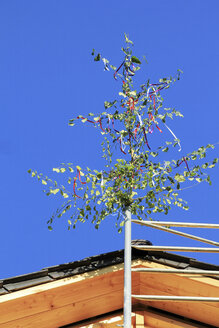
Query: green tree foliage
143,179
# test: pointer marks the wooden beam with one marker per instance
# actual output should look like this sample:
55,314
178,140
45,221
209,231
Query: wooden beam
111,323
82,298
70,313
202,312
108,320
180,285
155,320
60,283
139,320
203,279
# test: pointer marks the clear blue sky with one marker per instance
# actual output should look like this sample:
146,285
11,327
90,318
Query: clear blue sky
48,76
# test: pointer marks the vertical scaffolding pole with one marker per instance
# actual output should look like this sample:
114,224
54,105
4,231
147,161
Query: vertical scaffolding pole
127,271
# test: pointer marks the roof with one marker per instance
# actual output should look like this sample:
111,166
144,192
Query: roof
98,262
80,293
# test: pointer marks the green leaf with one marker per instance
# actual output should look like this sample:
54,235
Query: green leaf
97,58
50,228
107,104
127,39
179,178
113,67
56,170
122,94
54,191
209,180
44,182
205,165
135,60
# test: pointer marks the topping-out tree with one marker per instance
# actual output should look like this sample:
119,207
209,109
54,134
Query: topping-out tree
136,176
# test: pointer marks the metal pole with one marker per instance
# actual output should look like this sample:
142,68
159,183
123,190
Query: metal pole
176,298
179,224
127,271
178,271
183,234
178,249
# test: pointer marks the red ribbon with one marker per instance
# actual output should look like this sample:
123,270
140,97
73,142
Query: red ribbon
114,75
136,130
183,160
99,121
79,175
145,136
151,116
186,164
74,187
131,107
74,184
101,124
83,118
113,126
119,140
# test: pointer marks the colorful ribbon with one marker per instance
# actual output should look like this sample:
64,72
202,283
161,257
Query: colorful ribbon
180,148
74,184
122,148
118,70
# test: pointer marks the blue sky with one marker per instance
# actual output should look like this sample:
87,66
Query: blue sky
47,76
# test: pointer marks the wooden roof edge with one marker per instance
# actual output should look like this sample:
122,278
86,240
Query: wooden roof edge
98,262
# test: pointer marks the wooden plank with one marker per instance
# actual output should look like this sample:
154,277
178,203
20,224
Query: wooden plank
70,313
139,320
180,285
110,320
203,279
60,283
82,292
155,320
202,312
109,323
183,285
58,297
